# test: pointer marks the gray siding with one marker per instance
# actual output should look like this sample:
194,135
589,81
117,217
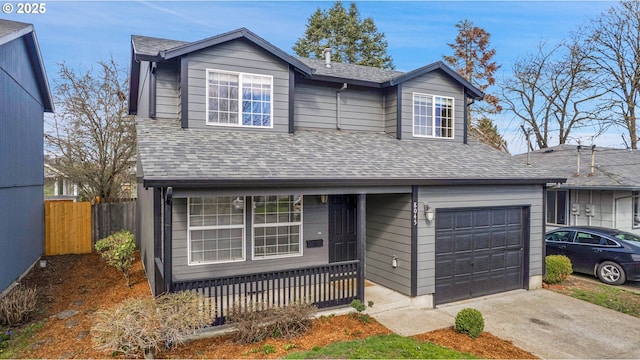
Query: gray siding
167,90
433,83
143,91
602,204
440,197
391,111
144,216
389,235
623,219
315,226
360,109
21,163
238,56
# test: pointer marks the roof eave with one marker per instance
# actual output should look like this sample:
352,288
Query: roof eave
602,187
341,80
233,35
472,91
33,47
329,182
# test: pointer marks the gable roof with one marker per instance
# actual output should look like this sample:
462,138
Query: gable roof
614,169
144,48
12,30
173,156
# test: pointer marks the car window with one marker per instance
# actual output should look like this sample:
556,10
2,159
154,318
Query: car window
627,236
562,236
609,242
586,238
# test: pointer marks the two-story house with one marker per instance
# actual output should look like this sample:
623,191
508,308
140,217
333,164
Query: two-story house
24,98
265,176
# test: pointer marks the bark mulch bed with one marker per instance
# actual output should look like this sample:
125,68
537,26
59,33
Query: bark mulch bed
84,284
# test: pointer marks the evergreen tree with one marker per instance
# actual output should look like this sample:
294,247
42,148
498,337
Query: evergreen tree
351,40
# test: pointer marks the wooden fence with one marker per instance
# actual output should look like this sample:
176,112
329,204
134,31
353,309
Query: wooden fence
74,227
67,227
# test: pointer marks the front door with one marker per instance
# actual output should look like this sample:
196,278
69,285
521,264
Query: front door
342,228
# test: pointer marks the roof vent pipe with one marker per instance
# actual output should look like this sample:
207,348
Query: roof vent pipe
327,58
593,159
579,148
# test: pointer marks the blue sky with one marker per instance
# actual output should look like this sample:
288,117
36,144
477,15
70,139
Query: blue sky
80,33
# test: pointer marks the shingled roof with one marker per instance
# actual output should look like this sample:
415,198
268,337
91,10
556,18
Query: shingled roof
614,169
173,156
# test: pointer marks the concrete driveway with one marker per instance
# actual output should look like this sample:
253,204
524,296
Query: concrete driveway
545,323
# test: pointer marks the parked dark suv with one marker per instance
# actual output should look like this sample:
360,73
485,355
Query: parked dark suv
611,255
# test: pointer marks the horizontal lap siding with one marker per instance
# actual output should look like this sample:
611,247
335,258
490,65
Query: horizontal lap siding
167,90
237,56
315,226
145,228
388,234
441,197
315,107
391,111
433,83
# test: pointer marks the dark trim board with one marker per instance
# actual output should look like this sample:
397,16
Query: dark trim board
399,112
292,99
184,91
414,241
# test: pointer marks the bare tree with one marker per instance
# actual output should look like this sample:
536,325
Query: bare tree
92,138
555,91
615,42
473,59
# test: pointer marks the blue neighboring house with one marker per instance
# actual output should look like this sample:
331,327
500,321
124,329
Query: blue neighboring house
24,98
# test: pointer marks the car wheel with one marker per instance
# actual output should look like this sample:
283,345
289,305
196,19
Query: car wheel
611,273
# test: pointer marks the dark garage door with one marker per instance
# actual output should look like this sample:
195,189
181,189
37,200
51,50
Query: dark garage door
479,251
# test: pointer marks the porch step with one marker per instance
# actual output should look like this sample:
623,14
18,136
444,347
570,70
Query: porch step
384,299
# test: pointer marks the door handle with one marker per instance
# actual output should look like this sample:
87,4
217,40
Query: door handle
597,250
563,247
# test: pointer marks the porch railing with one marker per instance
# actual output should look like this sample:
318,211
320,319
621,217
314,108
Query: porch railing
323,285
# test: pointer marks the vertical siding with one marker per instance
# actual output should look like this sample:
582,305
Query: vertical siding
315,226
21,163
240,56
144,233
433,83
439,197
21,229
360,109
388,235
167,90
390,111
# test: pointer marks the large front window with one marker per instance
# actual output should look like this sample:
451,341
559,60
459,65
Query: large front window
557,207
239,99
277,226
432,116
216,228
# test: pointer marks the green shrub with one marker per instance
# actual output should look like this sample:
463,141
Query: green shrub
118,250
558,269
17,306
469,321
360,307
257,321
139,325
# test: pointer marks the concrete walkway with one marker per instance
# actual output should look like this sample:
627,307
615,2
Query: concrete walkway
545,323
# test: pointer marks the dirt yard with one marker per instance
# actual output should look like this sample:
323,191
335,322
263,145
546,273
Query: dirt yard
72,287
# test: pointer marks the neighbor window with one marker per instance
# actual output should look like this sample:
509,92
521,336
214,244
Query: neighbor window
277,226
215,229
636,209
557,209
239,99
432,116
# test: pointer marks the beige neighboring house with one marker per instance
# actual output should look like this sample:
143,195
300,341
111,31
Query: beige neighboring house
602,188
57,186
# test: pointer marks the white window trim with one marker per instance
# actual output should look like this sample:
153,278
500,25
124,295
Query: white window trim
433,110
566,210
189,228
240,75
253,226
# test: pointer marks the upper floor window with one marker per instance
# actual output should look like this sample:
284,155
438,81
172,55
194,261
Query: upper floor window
239,99
557,207
432,116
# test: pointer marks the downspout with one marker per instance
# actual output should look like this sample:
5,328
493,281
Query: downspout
466,116
168,228
343,88
152,90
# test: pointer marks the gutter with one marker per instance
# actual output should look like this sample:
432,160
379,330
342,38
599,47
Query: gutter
152,89
332,182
